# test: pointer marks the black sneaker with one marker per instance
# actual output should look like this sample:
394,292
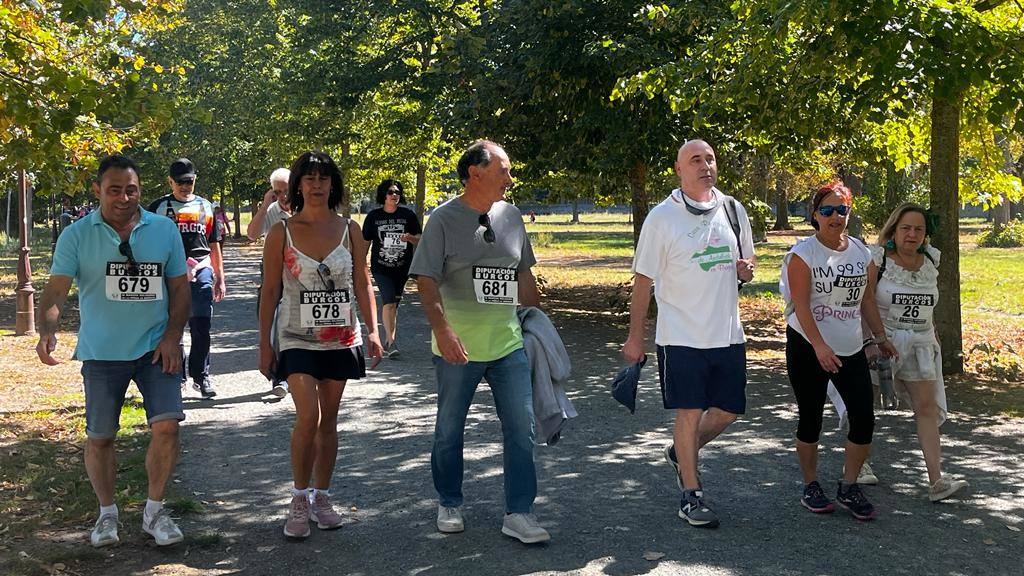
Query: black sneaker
670,457
854,500
815,500
205,387
694,510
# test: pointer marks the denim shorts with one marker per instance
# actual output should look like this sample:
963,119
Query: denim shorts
701,378
106,382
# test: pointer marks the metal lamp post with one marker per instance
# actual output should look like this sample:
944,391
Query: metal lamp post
25,323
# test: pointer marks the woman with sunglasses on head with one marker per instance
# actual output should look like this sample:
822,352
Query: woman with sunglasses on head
906,268
827,288
393,232
320,258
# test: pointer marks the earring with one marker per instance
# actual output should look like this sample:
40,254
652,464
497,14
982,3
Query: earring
890,244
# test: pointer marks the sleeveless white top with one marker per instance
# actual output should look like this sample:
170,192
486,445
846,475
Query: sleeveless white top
312,317
838,282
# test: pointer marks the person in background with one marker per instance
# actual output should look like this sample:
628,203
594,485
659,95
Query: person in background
392,232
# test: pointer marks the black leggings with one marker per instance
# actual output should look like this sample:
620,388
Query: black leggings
810,385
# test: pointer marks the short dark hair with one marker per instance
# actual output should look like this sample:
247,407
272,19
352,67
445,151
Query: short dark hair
314,163
383,187
478,154
834,187
115,161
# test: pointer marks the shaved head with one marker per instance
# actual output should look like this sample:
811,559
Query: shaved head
697,169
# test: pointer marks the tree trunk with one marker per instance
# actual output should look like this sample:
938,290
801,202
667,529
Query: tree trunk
575,209
896,187
782,182
637,177
945,202
346,190
1001,213
237,219
760,185
421,190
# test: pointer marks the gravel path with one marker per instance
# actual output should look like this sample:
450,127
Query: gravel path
606,495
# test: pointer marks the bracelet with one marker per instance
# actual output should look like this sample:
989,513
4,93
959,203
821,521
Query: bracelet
880,339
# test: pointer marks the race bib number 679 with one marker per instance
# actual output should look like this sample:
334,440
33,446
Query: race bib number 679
494,285
144,283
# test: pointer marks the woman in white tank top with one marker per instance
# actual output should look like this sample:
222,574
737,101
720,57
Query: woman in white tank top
827,288
318,260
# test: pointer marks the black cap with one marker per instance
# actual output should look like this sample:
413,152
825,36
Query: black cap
182,168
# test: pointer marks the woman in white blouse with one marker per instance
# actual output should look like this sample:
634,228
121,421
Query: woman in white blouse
906,267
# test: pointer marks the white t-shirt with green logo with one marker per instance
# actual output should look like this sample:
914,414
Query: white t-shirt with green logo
692,260
478,280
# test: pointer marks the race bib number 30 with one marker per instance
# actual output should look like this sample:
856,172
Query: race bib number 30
847,291
496,285
144,285
320,308
912,310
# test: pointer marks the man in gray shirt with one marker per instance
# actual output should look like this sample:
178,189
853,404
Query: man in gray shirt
472,267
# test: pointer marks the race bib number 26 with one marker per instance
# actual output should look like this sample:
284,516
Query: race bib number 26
496,285
143,284
320,308
912,310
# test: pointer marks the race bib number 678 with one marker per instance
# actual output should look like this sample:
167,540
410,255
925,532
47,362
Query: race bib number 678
320,308
494,285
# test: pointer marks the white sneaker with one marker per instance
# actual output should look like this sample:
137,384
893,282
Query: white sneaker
162,528
280,389
943,489
449,519
105,531
867,475
525,528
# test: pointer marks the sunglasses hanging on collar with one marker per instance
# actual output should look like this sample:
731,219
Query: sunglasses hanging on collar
695,210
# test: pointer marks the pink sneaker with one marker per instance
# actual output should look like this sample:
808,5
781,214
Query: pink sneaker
323,513
297,525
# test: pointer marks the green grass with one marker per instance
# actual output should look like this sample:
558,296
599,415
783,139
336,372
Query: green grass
991,279
44,465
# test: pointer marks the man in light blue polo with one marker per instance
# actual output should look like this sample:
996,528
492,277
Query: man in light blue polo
134,300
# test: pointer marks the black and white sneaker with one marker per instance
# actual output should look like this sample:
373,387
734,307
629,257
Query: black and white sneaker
670,457
815,500
204,387
279,389
694,510
853,499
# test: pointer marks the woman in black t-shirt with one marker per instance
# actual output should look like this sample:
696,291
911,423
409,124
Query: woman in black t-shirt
393,232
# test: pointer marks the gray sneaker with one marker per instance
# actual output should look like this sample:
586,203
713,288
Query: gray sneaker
162,528
525,528
449,519
391,350
280,389
694,510
105,531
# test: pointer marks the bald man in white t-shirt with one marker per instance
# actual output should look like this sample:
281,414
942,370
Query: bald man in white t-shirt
692,248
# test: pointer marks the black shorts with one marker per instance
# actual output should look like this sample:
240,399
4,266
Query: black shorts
701,378
391,285
343,364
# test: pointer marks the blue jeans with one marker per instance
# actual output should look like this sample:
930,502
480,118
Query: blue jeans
512,387
197,365
106,382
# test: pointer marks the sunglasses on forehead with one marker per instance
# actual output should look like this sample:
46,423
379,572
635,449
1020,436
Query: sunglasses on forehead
485,221
827,210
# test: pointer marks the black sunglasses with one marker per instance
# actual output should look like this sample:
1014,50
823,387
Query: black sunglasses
126,250
184,181
325,276
827,211
485,221
394,193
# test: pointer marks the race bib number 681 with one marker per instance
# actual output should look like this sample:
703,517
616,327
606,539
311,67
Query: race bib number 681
494,285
